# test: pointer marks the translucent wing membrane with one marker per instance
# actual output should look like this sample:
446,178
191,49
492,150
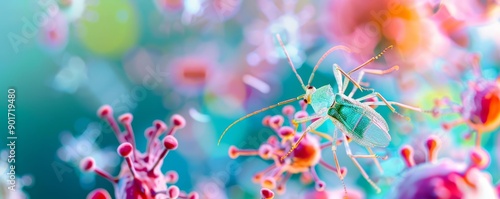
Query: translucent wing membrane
360,122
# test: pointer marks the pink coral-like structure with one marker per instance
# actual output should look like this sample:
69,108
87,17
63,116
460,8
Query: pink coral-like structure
140,176
480,106
444,178
302,160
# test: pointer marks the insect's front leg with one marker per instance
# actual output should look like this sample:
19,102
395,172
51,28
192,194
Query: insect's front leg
353,158
371,71
324,135
338,78
296,122
314,125
306,119
344,85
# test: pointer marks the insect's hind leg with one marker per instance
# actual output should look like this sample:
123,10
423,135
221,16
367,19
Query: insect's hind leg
375,160
440,104
336,159
353,158
376,94
388,104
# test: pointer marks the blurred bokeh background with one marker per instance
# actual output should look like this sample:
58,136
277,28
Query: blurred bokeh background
213,61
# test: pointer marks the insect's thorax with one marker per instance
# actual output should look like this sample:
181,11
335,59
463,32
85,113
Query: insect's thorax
322,98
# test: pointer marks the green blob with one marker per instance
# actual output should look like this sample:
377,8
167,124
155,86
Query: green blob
109,27
356,123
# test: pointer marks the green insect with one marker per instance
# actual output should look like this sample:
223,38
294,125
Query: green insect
354,118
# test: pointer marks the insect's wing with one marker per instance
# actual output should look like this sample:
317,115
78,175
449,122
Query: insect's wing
361,123
376,133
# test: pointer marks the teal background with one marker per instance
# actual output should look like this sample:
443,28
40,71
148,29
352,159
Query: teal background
43,112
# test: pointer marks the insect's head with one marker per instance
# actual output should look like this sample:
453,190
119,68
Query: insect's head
309,91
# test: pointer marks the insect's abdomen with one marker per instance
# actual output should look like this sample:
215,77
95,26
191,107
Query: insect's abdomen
359,126
355,122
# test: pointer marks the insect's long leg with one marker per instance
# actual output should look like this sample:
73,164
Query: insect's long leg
376,94
372,71
395,103
349,78
320,134
370,60
446,101
363,172
343,86
452,124
407,106
308,118
371,156
338,78
296,122
314,125
334,152
375,160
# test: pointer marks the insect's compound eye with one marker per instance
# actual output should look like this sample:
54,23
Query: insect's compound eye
309,87
305,101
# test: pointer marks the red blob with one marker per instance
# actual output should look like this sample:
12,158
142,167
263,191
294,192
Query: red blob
99,194
483,106
266,193
170,142
126,118
87,164
125,149
178,121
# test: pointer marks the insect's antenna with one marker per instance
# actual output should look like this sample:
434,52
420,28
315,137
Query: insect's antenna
257,112
370,60
332,49
290,61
